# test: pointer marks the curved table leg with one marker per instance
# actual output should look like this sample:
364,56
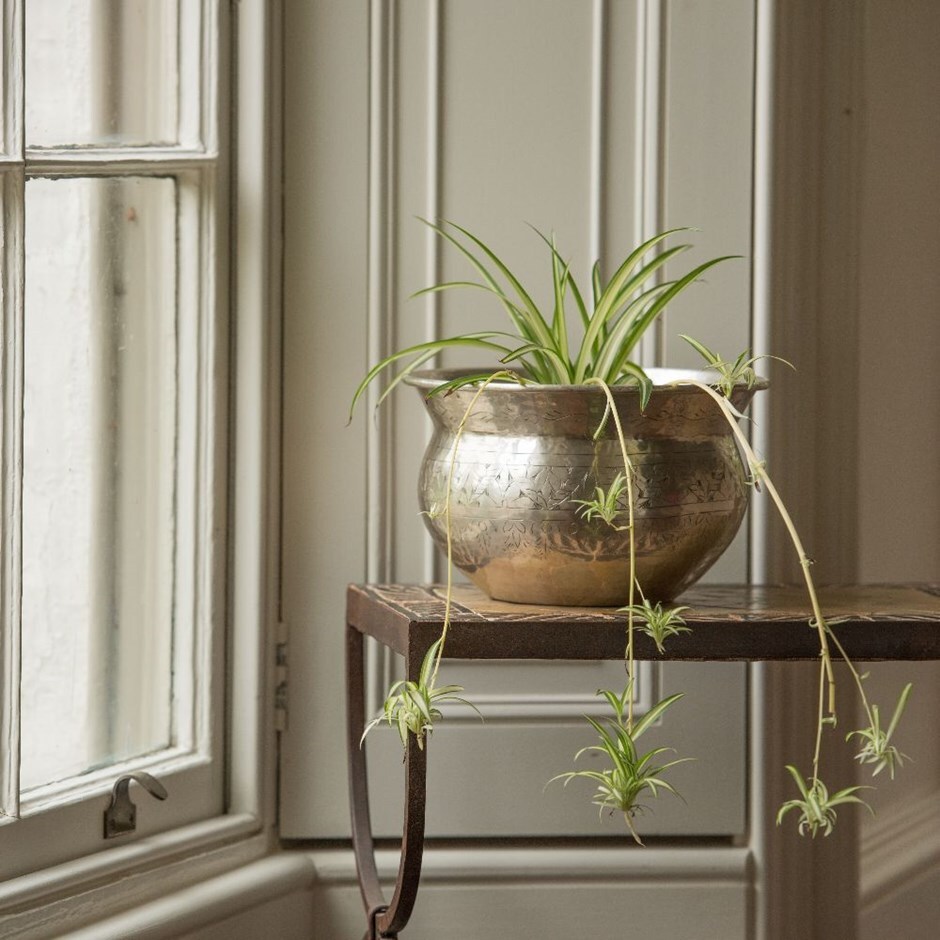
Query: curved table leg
385,919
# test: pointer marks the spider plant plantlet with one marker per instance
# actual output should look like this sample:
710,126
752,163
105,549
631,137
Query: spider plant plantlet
411,706
817,806
606,503
741,371
632,773
658,622
877,748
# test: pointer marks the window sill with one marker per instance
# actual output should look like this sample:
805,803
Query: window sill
64,897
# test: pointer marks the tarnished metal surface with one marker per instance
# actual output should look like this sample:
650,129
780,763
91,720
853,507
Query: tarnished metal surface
527,454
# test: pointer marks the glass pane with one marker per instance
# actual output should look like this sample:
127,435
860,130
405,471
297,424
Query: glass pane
105,72
99,430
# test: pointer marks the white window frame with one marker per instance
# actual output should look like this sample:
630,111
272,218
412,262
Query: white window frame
46,901
58,820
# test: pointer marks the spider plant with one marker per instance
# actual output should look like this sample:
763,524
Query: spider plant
612,316
604,505
631,773
411,706
739,372
877,748
538,344
817,808
658,622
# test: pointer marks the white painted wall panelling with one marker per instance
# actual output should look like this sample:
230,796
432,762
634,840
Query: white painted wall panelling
473,118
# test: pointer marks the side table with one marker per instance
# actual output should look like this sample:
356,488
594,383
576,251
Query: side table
729,622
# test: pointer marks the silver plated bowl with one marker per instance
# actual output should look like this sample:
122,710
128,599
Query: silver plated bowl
527,454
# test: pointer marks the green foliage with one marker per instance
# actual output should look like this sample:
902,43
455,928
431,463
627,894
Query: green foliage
658,622
739,372
613,316
412,706
631,773
877,748
816,807
605,503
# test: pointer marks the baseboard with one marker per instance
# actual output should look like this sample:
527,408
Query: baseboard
554,893
505,865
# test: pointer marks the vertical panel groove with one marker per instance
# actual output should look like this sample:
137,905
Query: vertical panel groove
649,146
760,264
378,430
11,408
763,750
388,467
599,81
379,433
431,558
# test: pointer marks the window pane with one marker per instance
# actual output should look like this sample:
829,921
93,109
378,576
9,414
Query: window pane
99,441
105,72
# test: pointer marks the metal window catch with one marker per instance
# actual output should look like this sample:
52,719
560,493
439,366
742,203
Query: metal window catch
121,816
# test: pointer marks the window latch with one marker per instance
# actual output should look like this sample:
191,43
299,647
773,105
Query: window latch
121,816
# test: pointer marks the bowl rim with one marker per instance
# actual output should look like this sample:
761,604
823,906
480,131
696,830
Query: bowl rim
661,377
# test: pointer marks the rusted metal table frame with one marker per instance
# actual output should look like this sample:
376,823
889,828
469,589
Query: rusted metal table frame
745,623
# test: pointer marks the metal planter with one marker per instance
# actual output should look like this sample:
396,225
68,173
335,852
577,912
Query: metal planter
527,454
